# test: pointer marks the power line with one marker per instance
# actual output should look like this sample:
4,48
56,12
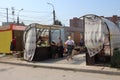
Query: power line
6,13
48,17
36,17
36,11
13,10
27,10
29,16
36,20
24,20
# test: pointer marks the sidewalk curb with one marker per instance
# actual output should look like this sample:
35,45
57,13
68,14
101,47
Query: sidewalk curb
63,68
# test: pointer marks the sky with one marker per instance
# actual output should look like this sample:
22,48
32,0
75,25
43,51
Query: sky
38,11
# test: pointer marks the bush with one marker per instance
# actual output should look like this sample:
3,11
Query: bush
115,59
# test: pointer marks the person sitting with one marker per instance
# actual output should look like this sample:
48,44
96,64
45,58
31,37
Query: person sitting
53,50
41,42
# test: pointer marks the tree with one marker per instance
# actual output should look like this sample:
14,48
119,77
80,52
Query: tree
57,22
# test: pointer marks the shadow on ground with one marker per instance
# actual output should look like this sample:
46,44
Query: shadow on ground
77,59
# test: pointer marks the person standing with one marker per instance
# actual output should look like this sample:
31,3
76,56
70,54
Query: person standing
60,47
70,45
53,50
13,45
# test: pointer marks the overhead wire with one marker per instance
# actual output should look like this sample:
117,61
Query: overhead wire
25,10
27,20
44,18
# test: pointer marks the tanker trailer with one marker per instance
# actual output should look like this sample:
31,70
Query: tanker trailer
101,36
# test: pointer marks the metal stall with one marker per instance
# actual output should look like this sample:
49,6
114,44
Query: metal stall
101,37
35,51
7,33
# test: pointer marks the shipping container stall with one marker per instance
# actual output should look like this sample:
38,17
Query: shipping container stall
7,33
101,37
37,41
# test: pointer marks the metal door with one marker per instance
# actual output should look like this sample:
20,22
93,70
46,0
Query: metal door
29,43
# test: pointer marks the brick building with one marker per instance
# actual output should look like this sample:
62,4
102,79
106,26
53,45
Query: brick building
75,30
115,19
78,24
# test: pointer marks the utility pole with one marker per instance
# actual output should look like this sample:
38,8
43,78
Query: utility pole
13,14
18,16
7,14
53,22
53,13
53,16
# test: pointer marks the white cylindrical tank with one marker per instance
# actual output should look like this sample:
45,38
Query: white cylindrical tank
100,34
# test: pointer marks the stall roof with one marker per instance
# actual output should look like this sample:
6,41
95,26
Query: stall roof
46,26
12,27
113,28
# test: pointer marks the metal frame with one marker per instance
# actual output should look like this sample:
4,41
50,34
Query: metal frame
103,22
47,27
